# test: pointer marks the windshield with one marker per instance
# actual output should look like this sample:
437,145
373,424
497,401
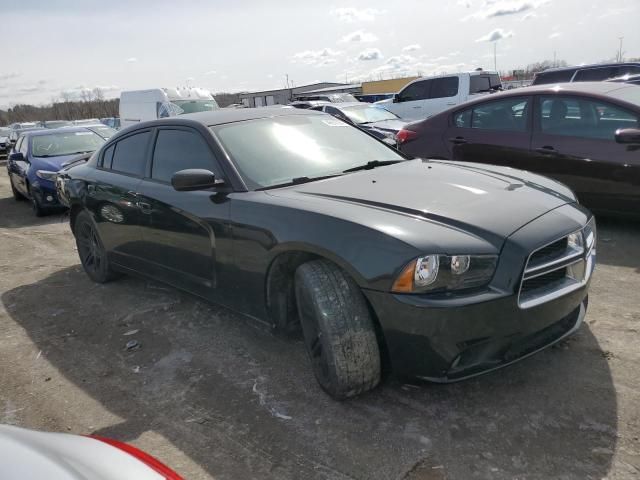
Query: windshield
67,143
294,146
4,132
193,106
105,132
368,114
629,94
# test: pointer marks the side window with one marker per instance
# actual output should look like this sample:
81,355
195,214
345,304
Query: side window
24,144
582,117
107,156
554,77
627,70
415,91
177,150
444,87
509,114
130,155
16,148
462,119
594,74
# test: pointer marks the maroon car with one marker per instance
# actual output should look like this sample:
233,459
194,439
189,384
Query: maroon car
585,135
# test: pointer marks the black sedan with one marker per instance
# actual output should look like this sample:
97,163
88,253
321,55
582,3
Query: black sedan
585,135
377,121
294,217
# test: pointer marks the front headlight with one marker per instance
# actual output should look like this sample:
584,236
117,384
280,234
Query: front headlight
589,232
442,273
47,175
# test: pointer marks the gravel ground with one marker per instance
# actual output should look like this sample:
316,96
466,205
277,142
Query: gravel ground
218,397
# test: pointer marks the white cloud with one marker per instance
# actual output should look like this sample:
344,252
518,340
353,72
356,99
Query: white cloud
8,76
319,58
359,36
555,35
352,14
131,60
495,35
211,72
464,3
529,16
370,54
411,48
503,8
455,53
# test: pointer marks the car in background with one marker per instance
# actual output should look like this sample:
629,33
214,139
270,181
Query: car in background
429,96
5,146
113,122
306,104
102,130
377,121
23,125
56,123
141,105
585,73
373,97
36,159
326,97
632,79
86,121
585,135
15,134
29,454
290,216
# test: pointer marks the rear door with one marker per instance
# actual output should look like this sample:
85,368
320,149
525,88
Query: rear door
574,142
496,132
187,230
443,94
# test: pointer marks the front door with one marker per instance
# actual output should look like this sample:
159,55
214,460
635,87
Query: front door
574,142
443,94
495,132
187,239
409,103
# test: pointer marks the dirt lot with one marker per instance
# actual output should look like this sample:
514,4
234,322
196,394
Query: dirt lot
216,396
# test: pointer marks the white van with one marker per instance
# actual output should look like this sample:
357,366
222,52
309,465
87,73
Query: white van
141,105
427,96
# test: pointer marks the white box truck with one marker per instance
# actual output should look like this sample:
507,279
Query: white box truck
428,96
141,105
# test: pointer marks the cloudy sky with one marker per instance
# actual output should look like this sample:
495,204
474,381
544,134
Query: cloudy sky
59,47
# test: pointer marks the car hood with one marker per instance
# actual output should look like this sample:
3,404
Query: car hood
386,125
59,456
482,200
53,163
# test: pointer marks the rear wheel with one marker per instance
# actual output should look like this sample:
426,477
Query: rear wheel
93,255
338,330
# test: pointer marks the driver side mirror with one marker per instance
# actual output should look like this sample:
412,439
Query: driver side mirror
17,157
396,98
194,179
628,135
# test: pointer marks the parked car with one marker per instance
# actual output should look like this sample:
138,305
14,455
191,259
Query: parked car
428,96
376,120
113,122
56,123
102,130
586,135
446,270
141,105
306,104
86,121
14,134
373,97
4,140
29,454
585,73
632,79
326,97
36,159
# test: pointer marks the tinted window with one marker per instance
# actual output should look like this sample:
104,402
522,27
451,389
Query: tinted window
415,91
462,119
130,155
107,157
553,77
593,74
508,114
581,117
627,70
177,150
444,87
484,83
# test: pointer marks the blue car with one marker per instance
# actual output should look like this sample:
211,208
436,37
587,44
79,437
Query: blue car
37,157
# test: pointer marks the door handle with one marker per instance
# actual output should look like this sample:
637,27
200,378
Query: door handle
417,106
547,150
144,207
458,140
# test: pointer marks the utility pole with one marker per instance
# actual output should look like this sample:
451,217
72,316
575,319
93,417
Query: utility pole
620,53
555,56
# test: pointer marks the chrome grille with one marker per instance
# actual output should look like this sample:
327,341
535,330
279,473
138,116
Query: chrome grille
558,268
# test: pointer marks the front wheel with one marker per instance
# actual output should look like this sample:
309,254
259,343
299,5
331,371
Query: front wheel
338,330
93,255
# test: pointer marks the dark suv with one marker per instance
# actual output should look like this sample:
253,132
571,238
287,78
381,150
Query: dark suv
586,73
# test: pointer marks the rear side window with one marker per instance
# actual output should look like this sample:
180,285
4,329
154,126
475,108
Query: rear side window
107,157
415,91
627,70
177,150
444,87
130,155
509,114
594,74
484,83
560,76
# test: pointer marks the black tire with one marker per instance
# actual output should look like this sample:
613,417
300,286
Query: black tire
93,255
38,210
338,330
16,194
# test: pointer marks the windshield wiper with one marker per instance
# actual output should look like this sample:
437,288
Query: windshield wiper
371,165
300,181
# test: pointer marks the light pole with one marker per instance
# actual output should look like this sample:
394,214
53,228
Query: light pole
620,50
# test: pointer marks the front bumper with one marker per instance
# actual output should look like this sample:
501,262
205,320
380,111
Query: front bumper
46,195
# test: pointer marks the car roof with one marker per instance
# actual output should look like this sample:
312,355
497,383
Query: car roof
593,65
217,117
